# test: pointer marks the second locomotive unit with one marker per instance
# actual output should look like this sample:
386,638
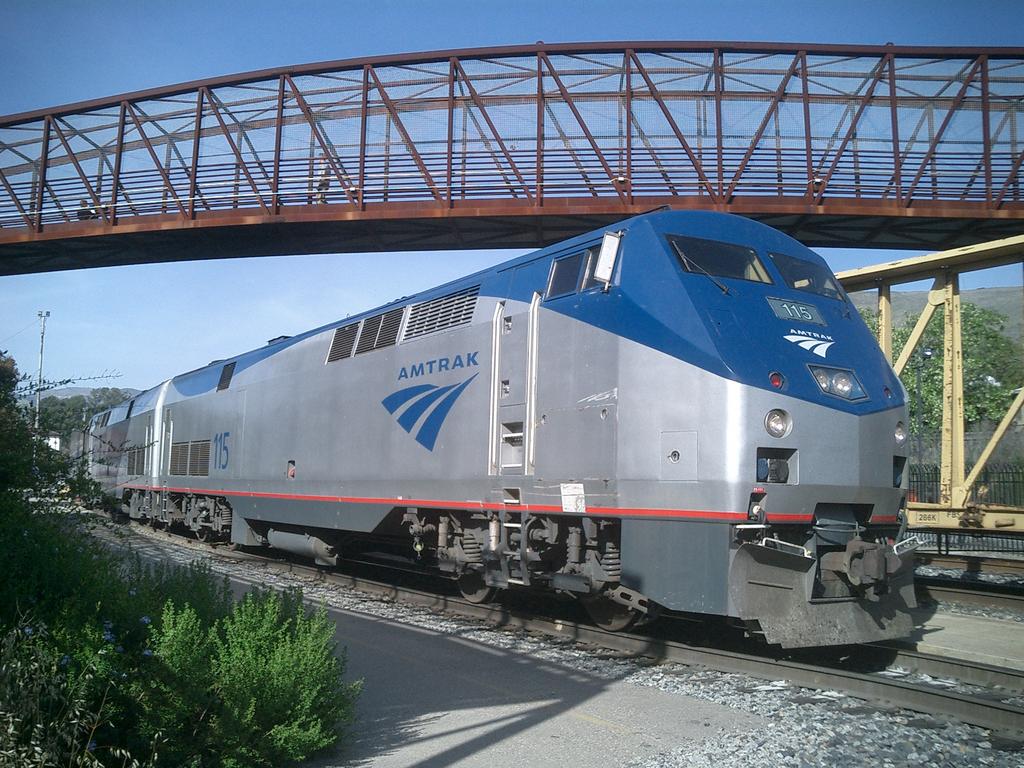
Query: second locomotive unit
681,412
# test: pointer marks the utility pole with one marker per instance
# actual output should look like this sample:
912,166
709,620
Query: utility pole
39,382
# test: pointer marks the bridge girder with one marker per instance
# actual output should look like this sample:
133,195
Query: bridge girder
961,505
878,146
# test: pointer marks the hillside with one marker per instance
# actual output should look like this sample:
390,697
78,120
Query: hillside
1005,301
63,393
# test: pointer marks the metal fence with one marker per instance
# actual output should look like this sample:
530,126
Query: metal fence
944,542
1001,484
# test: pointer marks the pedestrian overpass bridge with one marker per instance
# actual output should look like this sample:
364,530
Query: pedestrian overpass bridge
879,146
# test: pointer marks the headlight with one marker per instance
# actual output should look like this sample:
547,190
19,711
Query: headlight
777,423
842,384
900,434
837,381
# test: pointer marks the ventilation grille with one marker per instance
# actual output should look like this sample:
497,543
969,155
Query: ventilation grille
179,459
368,337
442,312
389,328
380,331
190,458
225,376
136,461
341,345
199,458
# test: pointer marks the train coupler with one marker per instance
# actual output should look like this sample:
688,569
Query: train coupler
774,587
864,564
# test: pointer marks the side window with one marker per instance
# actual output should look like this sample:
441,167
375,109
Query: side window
565,274
589,281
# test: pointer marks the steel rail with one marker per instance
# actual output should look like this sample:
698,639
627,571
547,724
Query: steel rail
973,563
976,710
963,670
980,594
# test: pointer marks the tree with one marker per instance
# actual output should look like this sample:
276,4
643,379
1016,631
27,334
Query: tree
102,398
26,463
15,432
62,416
993,365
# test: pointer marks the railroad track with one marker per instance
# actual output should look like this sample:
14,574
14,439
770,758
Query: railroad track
980,710
973,563
969,593
972,591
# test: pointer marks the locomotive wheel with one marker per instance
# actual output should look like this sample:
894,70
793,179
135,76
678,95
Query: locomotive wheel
474,589
203,533
609,615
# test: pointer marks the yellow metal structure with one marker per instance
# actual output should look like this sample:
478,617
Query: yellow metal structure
955,508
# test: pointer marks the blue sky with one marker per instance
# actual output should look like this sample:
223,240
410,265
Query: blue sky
150,322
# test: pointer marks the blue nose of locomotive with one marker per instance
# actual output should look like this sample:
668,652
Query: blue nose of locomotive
751,303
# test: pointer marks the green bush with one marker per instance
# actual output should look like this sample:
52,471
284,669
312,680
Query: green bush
160,655
279,678
46,716
262,687
176,697
157,656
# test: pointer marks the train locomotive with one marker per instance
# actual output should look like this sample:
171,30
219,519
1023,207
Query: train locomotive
679,412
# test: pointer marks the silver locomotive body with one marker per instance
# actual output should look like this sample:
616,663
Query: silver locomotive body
537,425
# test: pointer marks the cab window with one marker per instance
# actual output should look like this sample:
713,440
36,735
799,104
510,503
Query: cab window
565,275
711,257
809,276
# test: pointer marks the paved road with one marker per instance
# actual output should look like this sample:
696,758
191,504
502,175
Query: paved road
991,641
435,699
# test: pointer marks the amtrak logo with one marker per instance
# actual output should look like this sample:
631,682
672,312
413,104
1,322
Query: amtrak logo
818,343
438,365
424,404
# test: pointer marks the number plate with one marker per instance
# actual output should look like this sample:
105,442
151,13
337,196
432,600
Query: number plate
796,311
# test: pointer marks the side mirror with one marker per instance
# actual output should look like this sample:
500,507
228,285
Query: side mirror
606,258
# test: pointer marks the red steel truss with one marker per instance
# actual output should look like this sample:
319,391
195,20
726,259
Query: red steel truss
838,145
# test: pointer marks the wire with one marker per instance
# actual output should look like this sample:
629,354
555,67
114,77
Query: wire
30,324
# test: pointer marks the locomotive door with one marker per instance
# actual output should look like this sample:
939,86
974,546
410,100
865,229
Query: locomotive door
513,387
148,447
162,425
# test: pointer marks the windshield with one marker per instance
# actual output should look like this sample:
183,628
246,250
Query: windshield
807,276
712,257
